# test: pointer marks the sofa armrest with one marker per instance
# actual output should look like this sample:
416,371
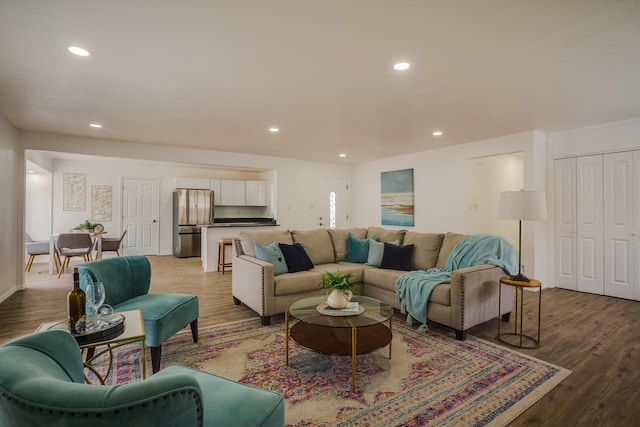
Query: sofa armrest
252,283
474,295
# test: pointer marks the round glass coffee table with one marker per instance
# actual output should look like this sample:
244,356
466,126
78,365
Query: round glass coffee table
340,333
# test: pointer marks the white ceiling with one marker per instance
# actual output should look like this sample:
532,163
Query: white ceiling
217,74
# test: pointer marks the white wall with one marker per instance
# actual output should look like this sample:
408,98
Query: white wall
11,219
296,181
485,175
38,187
440,190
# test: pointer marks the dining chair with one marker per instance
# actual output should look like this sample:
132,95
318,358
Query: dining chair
113,244
71,245
35,248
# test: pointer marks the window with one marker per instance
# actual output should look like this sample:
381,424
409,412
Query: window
332,210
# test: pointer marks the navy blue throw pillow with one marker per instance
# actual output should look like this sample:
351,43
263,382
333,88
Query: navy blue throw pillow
397,257
296,257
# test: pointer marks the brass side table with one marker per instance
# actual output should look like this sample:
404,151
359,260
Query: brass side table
520,337
133,332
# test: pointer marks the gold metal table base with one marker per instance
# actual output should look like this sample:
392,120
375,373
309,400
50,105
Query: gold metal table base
88,364
517,338
353,351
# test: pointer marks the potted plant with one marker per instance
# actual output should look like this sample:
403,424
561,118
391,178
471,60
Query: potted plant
85,226
341,290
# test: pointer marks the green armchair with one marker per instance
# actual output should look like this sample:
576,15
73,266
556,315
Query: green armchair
126,282
42,384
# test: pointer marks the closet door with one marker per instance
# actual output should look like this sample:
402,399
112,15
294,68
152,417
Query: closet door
565,216
589,217
619,242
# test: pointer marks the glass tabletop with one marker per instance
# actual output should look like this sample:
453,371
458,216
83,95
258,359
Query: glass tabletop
306,310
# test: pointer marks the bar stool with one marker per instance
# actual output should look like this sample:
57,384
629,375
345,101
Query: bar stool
222,245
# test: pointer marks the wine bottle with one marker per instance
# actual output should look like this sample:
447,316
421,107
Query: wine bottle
76,302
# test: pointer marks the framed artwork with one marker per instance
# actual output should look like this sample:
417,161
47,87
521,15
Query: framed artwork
101,203
397,197
74,187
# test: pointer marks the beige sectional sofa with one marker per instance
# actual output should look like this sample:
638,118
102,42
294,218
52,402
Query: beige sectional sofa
469,299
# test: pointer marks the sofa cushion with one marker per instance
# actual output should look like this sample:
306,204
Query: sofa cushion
427,247
376,250
317,244
248,239
297,259
384,235
450,241
441,294
356,270
397,257
357,249
339,240
296,283
306,281
381,278
273,254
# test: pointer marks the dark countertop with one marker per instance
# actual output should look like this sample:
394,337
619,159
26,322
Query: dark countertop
243,222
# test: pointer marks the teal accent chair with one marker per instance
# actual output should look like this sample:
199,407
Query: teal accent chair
126,282
42,384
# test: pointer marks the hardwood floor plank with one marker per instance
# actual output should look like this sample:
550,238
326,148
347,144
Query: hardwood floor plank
596,337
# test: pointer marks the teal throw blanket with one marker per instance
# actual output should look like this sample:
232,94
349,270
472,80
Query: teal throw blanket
414,288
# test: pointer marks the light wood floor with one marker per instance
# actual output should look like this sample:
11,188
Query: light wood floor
596,337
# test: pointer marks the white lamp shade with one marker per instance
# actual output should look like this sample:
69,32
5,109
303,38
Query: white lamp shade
523,205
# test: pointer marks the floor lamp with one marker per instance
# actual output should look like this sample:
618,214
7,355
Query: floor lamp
522,206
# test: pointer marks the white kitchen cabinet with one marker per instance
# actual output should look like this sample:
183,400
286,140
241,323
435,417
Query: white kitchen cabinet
256,193
214,185
226,192
232,192
239,193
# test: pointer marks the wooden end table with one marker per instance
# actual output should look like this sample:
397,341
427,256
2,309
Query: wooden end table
340,335
520,286
133,332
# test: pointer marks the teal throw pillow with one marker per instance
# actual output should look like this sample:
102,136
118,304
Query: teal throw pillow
357,249
376,250
273,254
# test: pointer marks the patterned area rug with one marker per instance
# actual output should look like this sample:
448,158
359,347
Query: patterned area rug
430,379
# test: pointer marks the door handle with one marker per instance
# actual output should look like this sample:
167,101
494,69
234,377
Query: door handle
155,220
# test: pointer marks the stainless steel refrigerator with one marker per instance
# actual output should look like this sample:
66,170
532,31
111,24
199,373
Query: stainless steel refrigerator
192,209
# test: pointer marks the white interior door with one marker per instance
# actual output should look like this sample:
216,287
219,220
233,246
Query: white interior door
619,225
333,203
565,215
140,212
589,217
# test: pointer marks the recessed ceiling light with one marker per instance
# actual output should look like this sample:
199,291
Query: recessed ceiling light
437,133
31,171
274,130
401,66
79,51
342,155
95,125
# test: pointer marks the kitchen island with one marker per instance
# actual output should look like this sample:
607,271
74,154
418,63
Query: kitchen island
211,234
